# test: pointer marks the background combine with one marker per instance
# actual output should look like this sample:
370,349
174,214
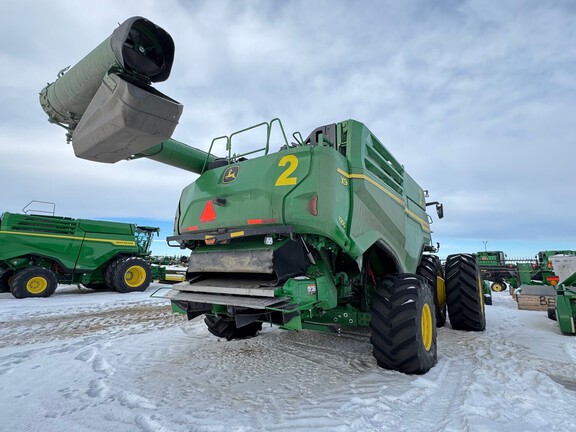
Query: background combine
37,252
322,233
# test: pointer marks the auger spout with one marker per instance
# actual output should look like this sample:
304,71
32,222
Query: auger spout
178,155
106,101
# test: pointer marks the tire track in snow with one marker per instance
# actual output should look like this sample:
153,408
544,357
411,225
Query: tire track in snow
135,319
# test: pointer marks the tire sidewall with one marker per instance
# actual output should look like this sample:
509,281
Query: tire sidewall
121,267
20,280
396,324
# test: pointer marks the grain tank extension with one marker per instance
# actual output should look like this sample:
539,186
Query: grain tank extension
323,233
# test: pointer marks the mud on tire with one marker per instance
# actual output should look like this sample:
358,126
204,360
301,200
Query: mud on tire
403,324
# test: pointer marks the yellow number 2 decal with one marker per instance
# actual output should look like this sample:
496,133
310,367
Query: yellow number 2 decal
285,179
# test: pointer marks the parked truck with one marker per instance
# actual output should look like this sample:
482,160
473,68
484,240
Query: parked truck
38,252
322,233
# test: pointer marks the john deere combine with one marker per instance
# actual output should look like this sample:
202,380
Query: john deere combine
323,233
38,252
493,266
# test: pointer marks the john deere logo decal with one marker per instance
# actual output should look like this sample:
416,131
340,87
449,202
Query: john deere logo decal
230,174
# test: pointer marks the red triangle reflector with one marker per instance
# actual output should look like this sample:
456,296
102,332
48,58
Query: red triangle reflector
208,214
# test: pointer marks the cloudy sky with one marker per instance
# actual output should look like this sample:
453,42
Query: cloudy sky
476,98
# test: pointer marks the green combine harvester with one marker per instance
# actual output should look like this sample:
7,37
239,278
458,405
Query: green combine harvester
536,276
494,266
38,252
323,233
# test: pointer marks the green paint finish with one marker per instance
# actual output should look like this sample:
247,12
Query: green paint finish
177,309
335,319
300,290
566,310
77,250
340,191
491,258
336,192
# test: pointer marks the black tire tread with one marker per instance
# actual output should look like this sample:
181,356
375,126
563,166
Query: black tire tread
226,328
429,268
21,277
5,276
464,295
396,331
118,268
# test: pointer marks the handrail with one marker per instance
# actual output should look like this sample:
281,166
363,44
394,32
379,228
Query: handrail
228,139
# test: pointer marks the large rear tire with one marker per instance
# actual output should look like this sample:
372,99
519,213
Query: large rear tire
464,293
403,324
226,328
33,282
430,268
129,274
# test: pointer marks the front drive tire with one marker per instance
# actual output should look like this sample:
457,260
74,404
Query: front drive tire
129,274
464,293
403,324
226,328
33,282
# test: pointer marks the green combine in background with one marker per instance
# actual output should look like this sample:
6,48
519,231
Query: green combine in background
38,252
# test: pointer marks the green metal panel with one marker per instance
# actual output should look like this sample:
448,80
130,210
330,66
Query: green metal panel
387,204
566,311
358,195
179,155
21,235
525,269
77,244
491,258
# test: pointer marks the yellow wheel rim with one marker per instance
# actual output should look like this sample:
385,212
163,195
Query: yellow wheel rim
135,276
440,291
497,286
481,294
36,285
427,330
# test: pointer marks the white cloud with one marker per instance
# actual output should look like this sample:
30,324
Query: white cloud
476,100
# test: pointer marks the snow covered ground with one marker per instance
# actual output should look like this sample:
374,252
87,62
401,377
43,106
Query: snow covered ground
101,361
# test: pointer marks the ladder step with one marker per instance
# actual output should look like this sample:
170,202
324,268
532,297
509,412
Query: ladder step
226,300
245,287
